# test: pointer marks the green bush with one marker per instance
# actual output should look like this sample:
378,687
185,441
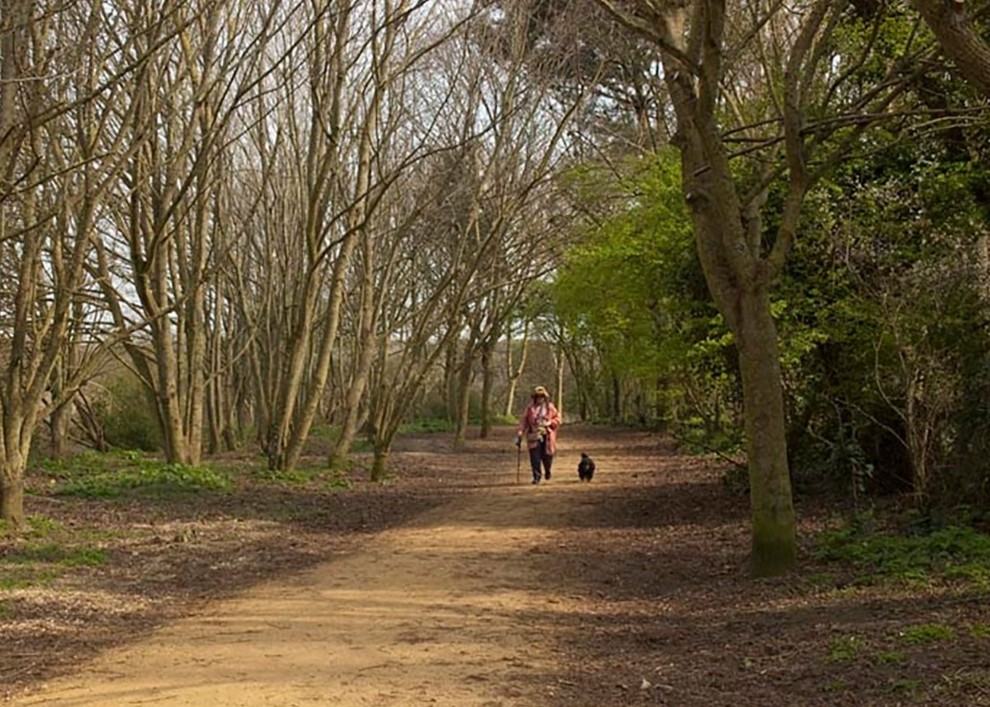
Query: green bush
129,420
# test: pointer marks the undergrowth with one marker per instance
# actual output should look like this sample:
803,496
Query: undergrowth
953,552
129,473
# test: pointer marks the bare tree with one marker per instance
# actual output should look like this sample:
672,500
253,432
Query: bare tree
58,155
196,63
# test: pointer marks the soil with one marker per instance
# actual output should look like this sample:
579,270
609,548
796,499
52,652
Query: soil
452,584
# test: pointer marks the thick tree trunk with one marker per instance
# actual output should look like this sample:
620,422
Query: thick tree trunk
12,497
773,549
60,419
12,466
379,465
959,40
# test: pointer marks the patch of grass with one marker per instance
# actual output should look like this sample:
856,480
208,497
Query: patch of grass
843,649
911,686
55,554
820,580
39,526
979,630
950,553
150,478
836,686
338,481
293,476
24,577
889,658
925,634
426,426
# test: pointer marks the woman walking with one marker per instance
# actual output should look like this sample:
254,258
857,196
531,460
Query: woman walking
538,426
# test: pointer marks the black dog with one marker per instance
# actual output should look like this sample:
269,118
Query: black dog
586,468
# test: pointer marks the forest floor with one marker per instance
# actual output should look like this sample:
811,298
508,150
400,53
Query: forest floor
453,585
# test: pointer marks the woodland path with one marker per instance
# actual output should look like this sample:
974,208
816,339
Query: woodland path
631,590
450,609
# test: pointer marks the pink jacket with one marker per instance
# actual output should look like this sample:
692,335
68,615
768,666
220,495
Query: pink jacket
530,422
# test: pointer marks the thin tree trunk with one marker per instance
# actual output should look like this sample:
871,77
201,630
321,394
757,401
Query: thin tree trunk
364,351
463,395
515,373
487,382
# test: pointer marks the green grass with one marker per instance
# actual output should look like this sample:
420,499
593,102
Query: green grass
147,478
843,649
950,553
979,630
907,685
56,554
426,426
925,634
18,577
889,658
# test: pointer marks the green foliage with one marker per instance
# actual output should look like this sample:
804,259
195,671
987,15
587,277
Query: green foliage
429,425
845,648
41,555
881,306
123,474
925,634
56,554
282,476
504,420
980,630
24,577
633,291
338,481
128,415
950,553
889,657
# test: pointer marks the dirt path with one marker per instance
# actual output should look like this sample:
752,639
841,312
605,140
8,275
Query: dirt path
444,611
632,590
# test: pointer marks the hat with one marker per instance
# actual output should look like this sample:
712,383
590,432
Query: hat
540,390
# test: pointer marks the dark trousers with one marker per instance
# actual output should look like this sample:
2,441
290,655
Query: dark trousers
537,456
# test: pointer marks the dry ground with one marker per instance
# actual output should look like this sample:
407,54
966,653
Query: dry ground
453,585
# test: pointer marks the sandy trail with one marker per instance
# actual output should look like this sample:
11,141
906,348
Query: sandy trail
443,611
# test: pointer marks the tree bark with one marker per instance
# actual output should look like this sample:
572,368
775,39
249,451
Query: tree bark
959,40
487,382
773,520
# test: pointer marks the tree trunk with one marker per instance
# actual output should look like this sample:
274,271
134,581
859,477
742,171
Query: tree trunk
773,539
60,419
463,399
515,373
487,382
379,465
12,496
959,40
17,433
364,351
